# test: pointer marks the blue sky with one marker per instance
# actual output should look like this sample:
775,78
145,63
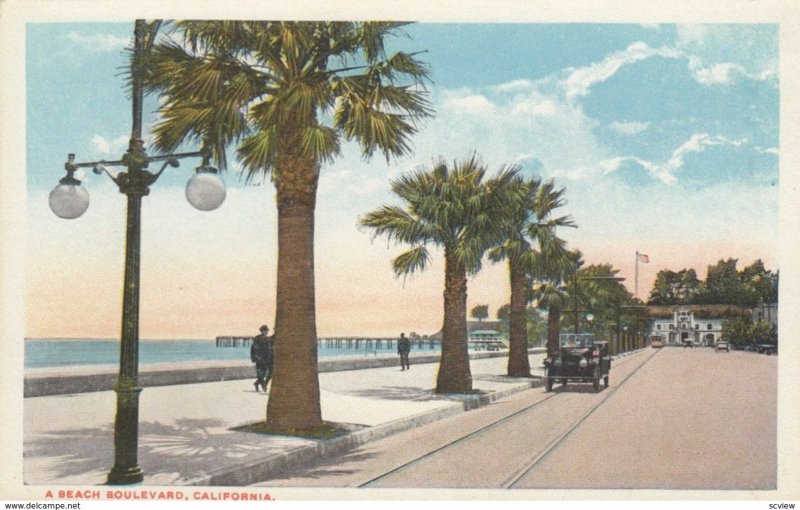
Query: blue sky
665,137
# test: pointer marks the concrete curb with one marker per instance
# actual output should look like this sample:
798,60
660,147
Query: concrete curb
260,470
55,382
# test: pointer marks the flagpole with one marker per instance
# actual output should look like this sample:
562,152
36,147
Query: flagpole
636,279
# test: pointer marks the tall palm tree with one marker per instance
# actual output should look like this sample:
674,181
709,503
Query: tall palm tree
532,250
286,94
456,209
597,288
553,292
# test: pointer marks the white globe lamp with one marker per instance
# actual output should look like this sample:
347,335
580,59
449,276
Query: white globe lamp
69,200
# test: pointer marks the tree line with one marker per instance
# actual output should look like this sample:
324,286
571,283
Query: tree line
724,284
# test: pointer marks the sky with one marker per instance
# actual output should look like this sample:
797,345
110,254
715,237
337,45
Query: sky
665,138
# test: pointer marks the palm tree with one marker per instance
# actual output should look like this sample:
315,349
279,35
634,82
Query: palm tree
552,292
595,287
286,94
532,250
453,208
598,288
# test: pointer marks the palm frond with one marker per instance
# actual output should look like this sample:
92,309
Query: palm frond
411,261
258,152
320,143
395,223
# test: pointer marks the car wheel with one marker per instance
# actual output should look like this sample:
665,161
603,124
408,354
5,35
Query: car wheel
563,382
596,379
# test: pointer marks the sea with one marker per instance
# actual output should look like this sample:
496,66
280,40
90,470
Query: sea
70,352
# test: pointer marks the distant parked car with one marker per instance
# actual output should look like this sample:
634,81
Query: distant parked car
688,343
722,345
657,344
767,349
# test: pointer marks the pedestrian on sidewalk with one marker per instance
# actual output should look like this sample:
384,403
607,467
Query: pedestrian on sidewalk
262,354
403,348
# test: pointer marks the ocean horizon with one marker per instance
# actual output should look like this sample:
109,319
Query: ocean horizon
75,352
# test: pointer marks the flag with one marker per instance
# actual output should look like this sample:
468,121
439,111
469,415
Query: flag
644,258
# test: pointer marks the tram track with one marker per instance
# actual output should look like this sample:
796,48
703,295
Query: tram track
496,424
510,482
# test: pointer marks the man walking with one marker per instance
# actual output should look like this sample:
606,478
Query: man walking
403,348
262,354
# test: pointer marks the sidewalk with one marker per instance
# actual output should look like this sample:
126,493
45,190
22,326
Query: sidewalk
185,435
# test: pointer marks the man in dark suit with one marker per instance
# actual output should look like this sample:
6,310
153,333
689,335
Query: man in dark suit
262,354
403,348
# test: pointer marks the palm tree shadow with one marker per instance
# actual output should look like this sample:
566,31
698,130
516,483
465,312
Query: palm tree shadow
187,449
397,393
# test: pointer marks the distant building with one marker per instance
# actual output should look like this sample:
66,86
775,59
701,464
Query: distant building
481,333
484,325
766,312
685,326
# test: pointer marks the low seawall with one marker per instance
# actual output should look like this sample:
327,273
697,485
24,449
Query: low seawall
41,383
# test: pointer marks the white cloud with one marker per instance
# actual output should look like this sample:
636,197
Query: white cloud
101,144
691,34
546,108
724,73
772,150
109,147
580,80
629,128
665,171
514,86
473,104
98,42
718,54
717,74
697,143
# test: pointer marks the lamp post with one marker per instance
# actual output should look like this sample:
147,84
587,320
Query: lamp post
70,200
638,309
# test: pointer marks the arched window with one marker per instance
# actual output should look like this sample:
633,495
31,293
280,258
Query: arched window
710,326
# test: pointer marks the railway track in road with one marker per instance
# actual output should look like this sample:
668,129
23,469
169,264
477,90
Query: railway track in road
510,482
511,420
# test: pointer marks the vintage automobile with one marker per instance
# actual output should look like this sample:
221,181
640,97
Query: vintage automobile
767,349
722,345
580,359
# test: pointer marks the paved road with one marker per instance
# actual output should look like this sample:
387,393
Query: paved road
682,419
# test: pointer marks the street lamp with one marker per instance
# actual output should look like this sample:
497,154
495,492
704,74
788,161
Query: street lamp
70,200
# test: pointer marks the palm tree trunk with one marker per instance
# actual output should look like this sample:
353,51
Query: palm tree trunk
553,330
518,364
294,399
454,373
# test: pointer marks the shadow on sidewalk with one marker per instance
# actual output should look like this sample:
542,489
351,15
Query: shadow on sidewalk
71,453
397,393
186,449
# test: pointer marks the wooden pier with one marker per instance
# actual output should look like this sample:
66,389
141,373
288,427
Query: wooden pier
374,343
342,342
234,341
